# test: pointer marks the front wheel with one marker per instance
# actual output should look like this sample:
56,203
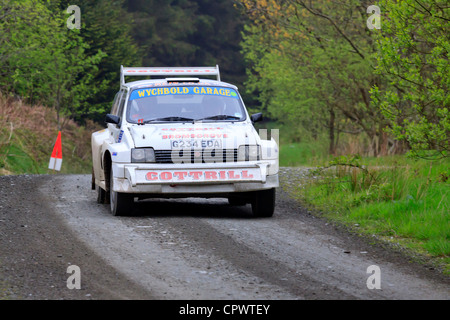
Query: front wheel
121,203
263,204
237,201
101,195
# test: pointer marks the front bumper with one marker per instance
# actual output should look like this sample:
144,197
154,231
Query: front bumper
195,178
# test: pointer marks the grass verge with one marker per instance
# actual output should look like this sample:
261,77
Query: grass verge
28,134
399,200
300,154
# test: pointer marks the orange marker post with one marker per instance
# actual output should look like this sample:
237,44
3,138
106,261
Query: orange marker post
56,158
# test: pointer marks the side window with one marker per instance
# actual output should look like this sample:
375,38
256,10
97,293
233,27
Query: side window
122,103
115,105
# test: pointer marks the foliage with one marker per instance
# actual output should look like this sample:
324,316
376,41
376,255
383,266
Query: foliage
413,54
189,33
317,65
312,65
44,60
77,71
106,27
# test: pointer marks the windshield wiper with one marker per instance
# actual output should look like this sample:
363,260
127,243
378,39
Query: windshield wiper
220,117
172,118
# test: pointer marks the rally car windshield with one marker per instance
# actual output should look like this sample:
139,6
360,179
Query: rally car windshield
184,103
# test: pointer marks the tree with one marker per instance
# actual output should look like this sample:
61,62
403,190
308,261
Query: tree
413,55
25,26
161,29
44,61
106,27
190,33
312,63
71,79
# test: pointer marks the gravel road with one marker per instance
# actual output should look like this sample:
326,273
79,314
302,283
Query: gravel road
190,249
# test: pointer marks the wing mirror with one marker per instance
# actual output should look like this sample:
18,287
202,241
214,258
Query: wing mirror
256,117
110,118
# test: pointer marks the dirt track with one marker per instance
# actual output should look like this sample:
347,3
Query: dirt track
186,249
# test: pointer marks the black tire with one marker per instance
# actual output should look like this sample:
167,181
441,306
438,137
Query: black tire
101,195
263,204
234,201
93,179
121,203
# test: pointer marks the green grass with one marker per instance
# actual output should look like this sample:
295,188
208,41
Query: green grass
28,134
396,198
300,154
297,148
26,153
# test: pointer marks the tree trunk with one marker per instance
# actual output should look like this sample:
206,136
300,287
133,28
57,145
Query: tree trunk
331,131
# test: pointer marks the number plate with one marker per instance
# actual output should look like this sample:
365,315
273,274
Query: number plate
196,144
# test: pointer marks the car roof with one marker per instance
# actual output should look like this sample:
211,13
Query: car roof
176,82
162,72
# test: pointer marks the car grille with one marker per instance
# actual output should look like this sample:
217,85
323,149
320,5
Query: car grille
196,156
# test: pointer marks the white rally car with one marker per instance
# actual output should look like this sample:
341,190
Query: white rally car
182,137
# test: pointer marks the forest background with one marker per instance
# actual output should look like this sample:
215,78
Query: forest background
344,74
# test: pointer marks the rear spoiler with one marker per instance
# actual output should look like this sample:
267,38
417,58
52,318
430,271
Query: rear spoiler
176,71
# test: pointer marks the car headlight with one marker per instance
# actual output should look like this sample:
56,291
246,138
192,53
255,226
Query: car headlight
249,153
142,155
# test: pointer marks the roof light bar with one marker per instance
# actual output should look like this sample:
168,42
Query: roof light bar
175,71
